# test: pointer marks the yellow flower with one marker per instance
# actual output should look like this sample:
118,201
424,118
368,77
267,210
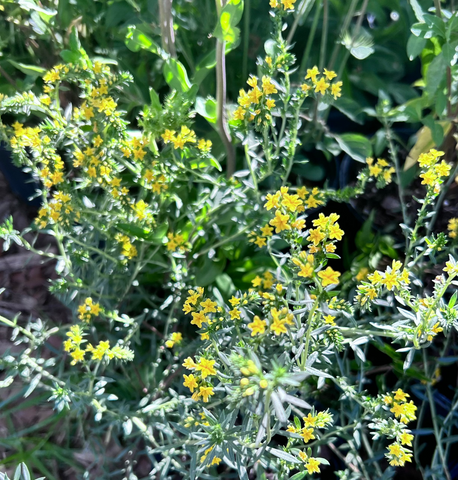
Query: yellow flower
312,73
278,326
406,439
206,367
391,280
266,230
272,200
190,382
335,232
312,465
77,355
400,396
234,314
288,4
280,222
307,434
329,319
315,236
205,393
260,241
257,326
209,306
291,202
189,364
321,86
198,318
336,90
429,178
330,74
375,170
329,277
234,301
268,87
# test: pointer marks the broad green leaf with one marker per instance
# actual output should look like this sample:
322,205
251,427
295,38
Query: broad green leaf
355,145
417,10
435,74
437,132
226,29
206,107
137,40
31,70
415,46
176,76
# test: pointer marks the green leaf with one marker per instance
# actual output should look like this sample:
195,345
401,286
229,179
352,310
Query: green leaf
155,101
417,10
437,132
283,455
176,76
435,74
31,70
226,29
415,46
207,108
355,145
361,52
137,40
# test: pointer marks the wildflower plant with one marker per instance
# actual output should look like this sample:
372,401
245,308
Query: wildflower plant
213,318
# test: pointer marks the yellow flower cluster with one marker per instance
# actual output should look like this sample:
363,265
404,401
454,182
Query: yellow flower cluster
266,282
203,369
88,309
176,241
311,423
52,171
403,410
393,278
321,85
58,210
102,350
186,136
129,250
175,339
155,181
257,102
433,170
199,309
311,463
279,319
215,461
453,228
380,170
285,4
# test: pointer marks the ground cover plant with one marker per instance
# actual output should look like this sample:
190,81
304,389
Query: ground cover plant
258,256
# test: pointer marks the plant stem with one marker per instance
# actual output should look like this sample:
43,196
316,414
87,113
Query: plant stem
434,420
437,5
302,13
246,38
248,161
167,32
324,34
345,24
441,198
305,353
308,47
223,128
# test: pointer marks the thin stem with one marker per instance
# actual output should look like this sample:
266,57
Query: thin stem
223,128
432,408
167,31
441,198
308,47
246,37
345,24
302,13
437,5
395,159
248,161
305,353
324,34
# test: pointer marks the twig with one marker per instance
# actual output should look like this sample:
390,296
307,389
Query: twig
223,129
